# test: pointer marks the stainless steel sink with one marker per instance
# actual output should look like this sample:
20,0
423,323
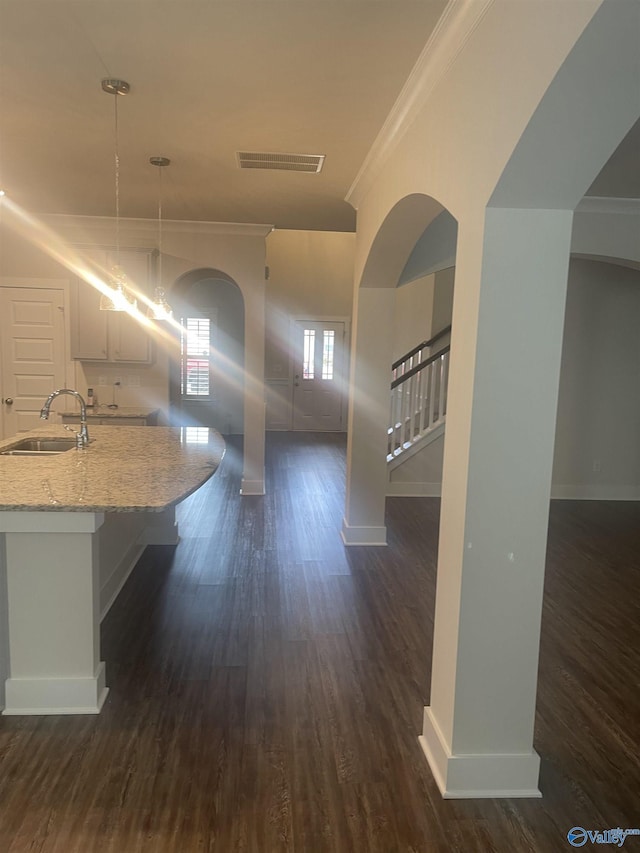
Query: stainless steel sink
40,447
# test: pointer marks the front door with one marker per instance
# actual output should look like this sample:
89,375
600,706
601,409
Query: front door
31,354
318,385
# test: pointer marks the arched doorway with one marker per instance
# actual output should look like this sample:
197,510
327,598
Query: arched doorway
206,377
399,236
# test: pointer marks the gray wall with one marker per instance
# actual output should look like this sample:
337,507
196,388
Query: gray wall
597,434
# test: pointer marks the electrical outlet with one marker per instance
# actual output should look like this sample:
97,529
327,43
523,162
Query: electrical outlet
133,380
102,380
597,465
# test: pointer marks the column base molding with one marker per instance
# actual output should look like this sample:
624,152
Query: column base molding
478,776
35,696
252,487
363,535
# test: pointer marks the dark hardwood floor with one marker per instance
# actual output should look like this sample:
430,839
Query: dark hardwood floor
267,687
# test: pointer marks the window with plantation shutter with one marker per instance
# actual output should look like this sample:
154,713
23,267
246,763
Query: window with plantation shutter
195,357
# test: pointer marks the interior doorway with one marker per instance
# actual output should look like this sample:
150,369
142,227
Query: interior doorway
32,353
206,382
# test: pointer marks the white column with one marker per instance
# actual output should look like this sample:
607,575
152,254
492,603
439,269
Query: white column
367,442
53,613
505,360
254,399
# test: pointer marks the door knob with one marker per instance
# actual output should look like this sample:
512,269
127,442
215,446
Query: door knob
8,400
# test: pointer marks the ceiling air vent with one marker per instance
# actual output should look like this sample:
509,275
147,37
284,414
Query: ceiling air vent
289,162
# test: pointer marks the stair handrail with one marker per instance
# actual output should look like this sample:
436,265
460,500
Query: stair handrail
421,366
421,346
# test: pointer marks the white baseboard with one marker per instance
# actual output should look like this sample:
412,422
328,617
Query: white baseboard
590,492
513,775
363,535
595,492
29,696
252,487
414,490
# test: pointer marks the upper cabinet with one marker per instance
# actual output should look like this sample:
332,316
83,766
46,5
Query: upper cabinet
110,335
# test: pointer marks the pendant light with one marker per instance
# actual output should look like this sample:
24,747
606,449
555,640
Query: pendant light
159,309
120,298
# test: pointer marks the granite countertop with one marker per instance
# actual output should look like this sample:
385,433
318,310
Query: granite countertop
103,411
123,469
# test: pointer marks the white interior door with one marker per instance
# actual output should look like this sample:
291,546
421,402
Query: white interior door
318,384
31,352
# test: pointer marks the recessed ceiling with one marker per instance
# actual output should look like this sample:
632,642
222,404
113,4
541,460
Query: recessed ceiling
208,79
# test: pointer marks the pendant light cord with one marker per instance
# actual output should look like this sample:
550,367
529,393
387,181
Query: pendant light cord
117,165
160,226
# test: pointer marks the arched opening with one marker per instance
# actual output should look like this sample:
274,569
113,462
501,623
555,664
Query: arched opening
206,376
400,237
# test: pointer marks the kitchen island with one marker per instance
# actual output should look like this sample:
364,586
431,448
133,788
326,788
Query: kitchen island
72,526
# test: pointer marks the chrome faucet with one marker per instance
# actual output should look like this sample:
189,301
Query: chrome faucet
82,437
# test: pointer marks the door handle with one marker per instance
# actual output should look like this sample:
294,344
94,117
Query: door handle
8,401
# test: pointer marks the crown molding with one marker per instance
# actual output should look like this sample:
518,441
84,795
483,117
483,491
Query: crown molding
599,204
169,226
454,28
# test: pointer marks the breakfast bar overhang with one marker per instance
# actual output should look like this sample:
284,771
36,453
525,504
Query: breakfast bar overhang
72,526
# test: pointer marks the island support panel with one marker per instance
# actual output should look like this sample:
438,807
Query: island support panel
53,598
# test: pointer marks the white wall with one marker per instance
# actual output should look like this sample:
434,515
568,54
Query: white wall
311,276
238,251
598,424
456,155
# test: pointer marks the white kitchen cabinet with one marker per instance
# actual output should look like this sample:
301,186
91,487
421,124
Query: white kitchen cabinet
111,336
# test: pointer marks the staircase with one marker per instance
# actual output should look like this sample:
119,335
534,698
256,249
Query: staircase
418,398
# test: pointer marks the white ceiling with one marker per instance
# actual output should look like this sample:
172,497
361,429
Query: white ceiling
208,78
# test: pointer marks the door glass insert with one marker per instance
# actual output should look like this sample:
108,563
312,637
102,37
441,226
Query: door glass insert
327,353
308,354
